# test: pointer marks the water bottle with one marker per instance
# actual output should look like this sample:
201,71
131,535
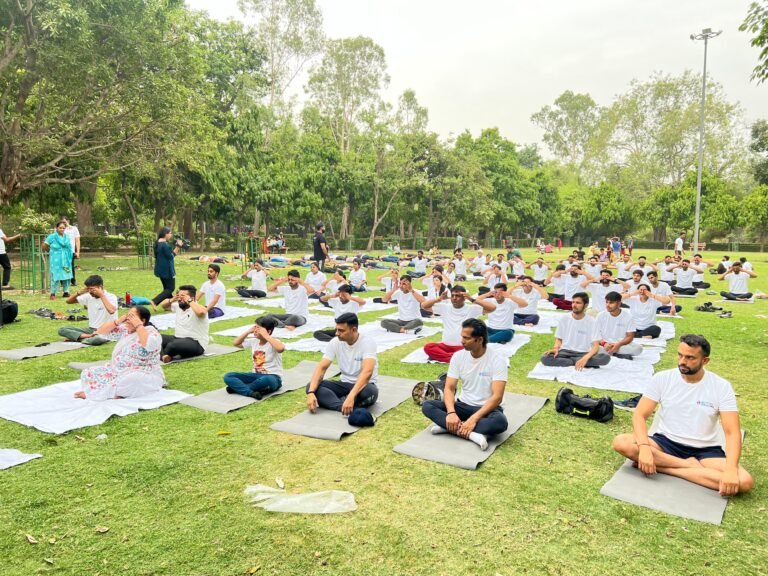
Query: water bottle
128,298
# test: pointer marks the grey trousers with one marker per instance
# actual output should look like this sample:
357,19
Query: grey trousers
566,358
284,320
73,333
395,325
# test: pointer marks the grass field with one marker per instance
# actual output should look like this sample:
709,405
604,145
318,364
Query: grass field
170,488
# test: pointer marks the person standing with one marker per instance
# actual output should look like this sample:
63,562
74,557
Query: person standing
164,266
5,261
59,260
680,245
73,235
459,241
320,246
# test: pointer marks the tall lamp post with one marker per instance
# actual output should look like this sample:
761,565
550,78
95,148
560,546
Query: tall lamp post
705,35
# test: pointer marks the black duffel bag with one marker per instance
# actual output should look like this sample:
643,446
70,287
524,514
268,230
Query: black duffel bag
10,310
598,409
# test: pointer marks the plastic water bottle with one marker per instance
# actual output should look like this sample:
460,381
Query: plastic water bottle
128,298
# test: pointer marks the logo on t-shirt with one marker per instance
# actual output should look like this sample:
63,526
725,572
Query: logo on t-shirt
705,403
259,360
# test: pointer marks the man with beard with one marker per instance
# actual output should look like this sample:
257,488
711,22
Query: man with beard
684,276
501,321
686,442
296,301
408,308
577,342
191,334
599,287
477,412
663,289
616,328
215,293
737,283
574,276
526,289
341,302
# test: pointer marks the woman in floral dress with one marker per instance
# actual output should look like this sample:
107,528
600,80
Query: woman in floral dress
135,366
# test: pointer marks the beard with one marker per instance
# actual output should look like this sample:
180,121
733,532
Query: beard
605,282
183,305
574,274
687,370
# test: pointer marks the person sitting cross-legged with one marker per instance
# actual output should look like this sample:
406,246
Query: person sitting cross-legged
356,356
644,304
357,279
526,289
215,293
453,313
502,320
191,333
267,357
101,306
686,442
342,301
296,301
663,289
258,277
408,307
737,282
684,276
616,329
476,413
577,342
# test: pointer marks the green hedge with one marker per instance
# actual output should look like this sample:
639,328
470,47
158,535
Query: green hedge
106,243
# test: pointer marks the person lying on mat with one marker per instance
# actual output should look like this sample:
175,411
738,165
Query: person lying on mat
616,329
476,413
215,293
644,304
296,301
134,369
356,356
267,357
190,338
577,342
101,306
737,282
452,314
686,442
408,307
342,301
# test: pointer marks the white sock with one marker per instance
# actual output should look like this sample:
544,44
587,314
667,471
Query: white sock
435,429
479,439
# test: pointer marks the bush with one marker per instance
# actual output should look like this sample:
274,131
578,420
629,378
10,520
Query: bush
106,243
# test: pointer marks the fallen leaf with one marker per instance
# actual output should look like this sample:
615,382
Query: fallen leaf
254,570
80,438
31,539
279,482
317,554
52,540
102,529
48,560
223,433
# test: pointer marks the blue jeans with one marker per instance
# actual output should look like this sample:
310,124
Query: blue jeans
526,319
246,383
500,336
359,288
666,309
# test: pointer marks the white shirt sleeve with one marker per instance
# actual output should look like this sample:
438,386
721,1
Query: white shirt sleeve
499,369
331,350
454,367
653,389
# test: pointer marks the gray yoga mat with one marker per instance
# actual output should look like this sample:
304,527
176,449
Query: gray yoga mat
330,425
455,451
213,350
40,351
666,493
222,402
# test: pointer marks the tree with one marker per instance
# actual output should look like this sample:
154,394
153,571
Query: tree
759,146
756,23
756,212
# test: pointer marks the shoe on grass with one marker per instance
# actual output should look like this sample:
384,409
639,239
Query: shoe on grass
628,403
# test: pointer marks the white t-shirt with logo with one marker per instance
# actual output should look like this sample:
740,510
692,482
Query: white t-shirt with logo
661,289
211,290
477,374
340,307
503,318
540,272
614,328
296,301
350,358
689,412
266,360
357,277
577,335
684,278
408,308
97,313
420,265
531,297
190,325
737,283
644,313
453,317
258,279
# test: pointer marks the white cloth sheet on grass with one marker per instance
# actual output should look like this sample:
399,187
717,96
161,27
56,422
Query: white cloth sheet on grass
166,321
314,322
750,301
507,350
395,316
618,374
547,320
384,340
10,457
54,408
277,500
667,333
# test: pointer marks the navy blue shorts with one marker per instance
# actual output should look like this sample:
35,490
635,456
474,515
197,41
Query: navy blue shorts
682,451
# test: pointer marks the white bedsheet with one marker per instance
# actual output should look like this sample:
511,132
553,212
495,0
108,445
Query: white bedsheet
10,457
314,322
384,340
507,350
618,374
166,321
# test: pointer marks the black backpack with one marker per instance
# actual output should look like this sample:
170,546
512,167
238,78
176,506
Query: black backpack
432,390
598,409
10,310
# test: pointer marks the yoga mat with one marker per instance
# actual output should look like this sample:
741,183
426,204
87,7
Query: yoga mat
687,295
38,352
507,350
750,301
384,340
314,322
166,321
667,333
10,457
455,451
222,402
213,350
54,408
395,316
331,425
618,374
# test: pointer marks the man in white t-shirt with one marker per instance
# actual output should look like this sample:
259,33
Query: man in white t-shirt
593,267
341,302
503,264
258,277
599,287
624,268
419,265
73,234
684,275
680,245
460,264
664,274
501,321
572,280
408,307
703,265
738,287
357,278
526,289
355,354
644,304
190,337
101,306
723,266
616,329
296,301
539,271
577,342
476,413
643,265
686,442
215,293
493,276
663,289
746,264
266,357
452,314
5,261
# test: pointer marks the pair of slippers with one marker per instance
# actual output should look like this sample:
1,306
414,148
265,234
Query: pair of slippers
708,307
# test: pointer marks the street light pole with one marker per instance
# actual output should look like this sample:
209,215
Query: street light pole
705,35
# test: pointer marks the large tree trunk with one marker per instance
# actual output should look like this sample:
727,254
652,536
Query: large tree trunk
85,196
659,233
344,226
256,220
129,203
188,227
402,228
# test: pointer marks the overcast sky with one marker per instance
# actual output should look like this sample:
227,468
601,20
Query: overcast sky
495,62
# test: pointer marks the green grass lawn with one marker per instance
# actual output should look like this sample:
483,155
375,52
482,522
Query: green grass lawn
170,488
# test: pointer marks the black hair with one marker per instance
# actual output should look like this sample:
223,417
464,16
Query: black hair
294,274
345,288
458,288
686,260
162,233
479,329
606,271
559,267
60,222
581,295
406,277
613,296
638,272
215,267
643,257
94,280
697,341
501,286
742,259
319,226
144,314
259,261
524,277
189,288
269,324
439,268
348,318
643,284
652,273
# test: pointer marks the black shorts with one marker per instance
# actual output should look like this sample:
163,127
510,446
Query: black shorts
683,451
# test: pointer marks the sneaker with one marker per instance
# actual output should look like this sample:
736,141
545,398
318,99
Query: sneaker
627,404
418,330
726,314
